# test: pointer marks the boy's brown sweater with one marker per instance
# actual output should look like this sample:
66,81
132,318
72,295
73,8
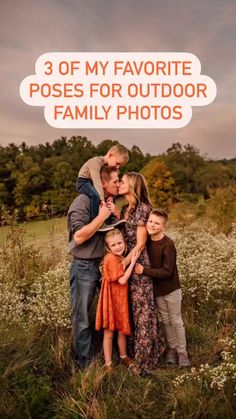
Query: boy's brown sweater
162,256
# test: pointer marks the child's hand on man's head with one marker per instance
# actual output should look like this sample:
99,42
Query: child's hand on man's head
138,269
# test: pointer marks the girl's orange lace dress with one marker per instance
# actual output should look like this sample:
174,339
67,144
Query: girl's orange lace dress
113,305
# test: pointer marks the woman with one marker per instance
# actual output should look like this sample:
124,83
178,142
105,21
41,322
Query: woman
144,346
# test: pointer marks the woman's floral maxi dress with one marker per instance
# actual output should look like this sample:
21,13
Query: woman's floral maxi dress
144,345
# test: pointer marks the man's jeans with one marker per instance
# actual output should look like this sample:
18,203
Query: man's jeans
169,307
84,275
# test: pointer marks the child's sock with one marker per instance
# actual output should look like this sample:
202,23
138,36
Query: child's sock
108,364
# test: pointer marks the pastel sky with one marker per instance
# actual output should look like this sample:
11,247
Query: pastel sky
206,28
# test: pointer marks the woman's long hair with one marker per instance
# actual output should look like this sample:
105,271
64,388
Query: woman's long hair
138,189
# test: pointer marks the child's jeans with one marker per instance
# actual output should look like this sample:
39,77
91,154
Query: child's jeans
169,308
85,186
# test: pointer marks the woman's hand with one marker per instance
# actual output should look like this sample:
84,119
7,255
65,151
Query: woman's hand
130,254
138,269
135,255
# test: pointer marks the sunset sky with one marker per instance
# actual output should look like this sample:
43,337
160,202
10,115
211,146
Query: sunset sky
206,28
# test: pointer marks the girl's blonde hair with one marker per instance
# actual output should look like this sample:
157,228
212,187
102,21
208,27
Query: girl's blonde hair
112,233
138,188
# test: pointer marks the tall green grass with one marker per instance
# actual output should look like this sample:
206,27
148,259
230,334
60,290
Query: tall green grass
38,376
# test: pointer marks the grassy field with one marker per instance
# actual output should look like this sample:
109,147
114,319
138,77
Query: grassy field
38,376
37,230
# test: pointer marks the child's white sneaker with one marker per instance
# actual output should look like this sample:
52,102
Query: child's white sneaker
108,227
171,356
183,360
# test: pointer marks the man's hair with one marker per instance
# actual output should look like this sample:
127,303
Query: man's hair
120,149
106,172
159,212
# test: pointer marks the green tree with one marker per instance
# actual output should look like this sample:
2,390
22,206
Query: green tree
184,164
63,177
212,175
28,180
137,160
45,174
160,183
221,208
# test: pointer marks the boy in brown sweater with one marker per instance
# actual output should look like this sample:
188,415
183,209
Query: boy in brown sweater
167,290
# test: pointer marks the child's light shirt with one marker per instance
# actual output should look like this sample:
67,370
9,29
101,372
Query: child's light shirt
91,170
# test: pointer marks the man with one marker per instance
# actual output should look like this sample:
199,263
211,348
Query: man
87,249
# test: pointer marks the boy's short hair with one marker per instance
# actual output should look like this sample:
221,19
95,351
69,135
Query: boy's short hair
120,149
159,212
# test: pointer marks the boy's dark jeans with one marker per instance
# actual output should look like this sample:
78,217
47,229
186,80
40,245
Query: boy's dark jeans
85,186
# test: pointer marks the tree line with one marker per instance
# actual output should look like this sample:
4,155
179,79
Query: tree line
39,180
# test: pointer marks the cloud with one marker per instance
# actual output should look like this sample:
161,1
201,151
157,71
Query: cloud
206,28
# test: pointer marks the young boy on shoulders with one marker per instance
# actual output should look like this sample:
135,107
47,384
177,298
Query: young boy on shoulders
167,290
89,179
89,182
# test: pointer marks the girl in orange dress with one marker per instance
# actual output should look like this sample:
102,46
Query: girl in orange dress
113,307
